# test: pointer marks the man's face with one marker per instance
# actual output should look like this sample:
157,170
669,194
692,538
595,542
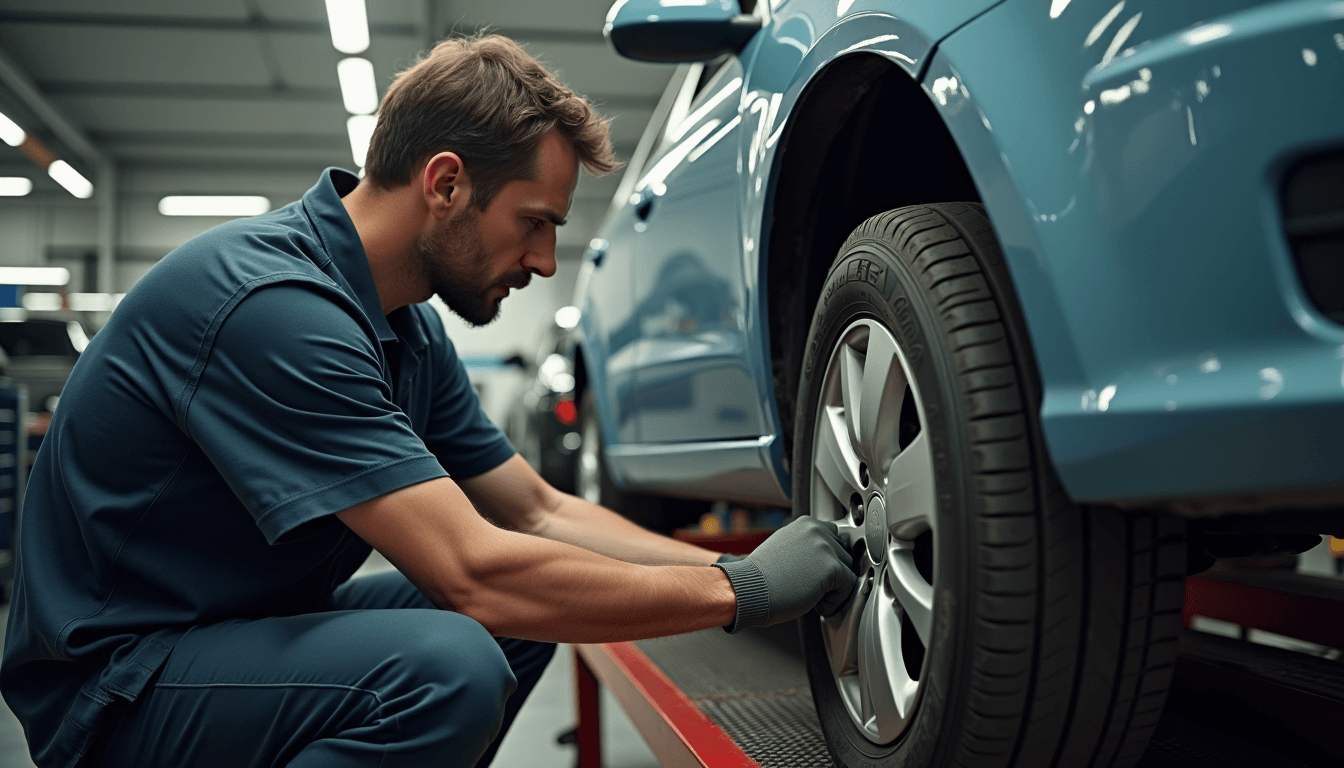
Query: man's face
472,259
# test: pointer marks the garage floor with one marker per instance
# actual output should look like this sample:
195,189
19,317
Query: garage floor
1195,731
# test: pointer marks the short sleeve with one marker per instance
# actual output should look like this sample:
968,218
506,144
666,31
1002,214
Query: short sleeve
292,410
465,440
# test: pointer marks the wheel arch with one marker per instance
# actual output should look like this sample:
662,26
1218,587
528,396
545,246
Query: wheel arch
840,161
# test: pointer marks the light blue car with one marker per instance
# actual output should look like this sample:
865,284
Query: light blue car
1016,292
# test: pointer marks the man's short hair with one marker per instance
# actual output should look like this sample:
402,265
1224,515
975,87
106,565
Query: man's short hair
489,101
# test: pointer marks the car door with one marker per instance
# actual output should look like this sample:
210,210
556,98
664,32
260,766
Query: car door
604,287
693,381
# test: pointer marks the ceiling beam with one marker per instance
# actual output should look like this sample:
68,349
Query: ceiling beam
221,92
131,90
259,23
70,134
535,34
232,140
199,23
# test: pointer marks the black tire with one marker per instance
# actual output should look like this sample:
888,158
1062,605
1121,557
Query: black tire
1054,626
656,513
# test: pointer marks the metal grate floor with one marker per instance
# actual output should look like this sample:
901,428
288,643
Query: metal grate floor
753,685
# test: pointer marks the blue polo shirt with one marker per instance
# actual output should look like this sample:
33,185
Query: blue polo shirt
245,390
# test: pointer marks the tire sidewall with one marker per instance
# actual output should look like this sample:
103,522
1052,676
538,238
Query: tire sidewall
869,280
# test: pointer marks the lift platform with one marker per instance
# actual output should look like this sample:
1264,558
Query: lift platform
710,700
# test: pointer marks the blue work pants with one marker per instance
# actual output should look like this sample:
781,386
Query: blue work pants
381,679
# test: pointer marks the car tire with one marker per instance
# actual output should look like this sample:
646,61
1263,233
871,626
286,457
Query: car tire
1000,624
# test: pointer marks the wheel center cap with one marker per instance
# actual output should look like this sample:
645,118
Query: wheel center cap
875,528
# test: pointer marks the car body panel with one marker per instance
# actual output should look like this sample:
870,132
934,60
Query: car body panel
693,381
1142,235
724,359
1179,354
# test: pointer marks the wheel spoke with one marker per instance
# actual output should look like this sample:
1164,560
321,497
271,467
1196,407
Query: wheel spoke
856,458
881,393
909,490
851,382
833,456
915,595
886,689
842,633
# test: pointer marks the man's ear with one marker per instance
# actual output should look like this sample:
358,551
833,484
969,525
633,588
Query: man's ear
445,185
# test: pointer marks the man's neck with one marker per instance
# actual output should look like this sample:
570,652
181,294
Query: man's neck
389,223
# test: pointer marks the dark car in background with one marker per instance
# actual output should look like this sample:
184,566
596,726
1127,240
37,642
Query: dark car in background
542,422
41,353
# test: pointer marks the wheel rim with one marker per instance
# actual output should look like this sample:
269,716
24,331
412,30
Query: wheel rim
872,474
589,483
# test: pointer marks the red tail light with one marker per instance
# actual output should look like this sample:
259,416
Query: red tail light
566,412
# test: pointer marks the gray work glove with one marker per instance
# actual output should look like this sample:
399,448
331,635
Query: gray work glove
801,566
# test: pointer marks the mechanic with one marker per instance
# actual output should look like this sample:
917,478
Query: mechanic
275,398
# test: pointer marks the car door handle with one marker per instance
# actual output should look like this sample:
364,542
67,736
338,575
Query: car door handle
644,203
597,250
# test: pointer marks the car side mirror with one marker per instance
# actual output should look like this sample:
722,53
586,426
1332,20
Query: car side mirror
678,30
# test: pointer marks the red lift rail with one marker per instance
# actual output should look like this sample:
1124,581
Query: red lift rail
680,733
677,732
1307,608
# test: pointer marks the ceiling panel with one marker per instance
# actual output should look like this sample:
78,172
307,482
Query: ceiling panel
597,71
309,60
579,15
61,52
379,11
138,114
216,9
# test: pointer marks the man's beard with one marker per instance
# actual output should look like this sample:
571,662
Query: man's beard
453,261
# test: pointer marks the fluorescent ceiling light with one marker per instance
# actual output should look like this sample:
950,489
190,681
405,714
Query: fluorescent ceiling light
73,181
15,186
34,276
360,128
214,205
95,302
349,25
359,88
10,132
42,302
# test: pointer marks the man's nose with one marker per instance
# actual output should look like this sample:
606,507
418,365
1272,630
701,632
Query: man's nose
541,260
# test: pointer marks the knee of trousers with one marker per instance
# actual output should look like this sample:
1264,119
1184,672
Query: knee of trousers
451,670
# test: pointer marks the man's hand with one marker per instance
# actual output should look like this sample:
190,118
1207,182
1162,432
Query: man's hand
801,566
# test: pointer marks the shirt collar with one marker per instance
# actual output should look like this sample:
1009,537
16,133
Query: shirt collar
342,243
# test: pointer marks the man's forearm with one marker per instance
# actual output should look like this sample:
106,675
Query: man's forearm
598,529
558,593
526,586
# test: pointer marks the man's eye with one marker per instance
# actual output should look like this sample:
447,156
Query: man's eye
537,223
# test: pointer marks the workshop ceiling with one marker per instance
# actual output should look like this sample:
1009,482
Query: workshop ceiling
207,84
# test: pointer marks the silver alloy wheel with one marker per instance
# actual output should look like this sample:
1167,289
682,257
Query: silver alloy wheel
881,494
589,481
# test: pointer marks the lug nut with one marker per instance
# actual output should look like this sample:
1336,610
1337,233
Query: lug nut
868,584
856,508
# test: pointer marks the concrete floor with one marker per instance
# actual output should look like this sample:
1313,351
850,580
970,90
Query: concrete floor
530,743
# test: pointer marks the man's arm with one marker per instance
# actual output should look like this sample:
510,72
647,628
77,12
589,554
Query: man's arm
529,587
515,496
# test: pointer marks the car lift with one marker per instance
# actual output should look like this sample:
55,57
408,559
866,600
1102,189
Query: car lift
707,700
